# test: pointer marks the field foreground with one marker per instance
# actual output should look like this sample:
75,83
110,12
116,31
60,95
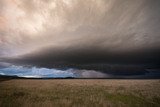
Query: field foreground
79,93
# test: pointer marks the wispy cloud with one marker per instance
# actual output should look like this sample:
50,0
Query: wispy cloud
21,71
35,72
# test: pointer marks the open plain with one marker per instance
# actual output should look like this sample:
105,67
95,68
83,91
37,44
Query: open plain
79,93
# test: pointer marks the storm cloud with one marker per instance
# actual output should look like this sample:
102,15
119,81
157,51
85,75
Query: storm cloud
67,32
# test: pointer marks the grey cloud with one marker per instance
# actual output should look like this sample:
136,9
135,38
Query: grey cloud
91,74
4,65
123,31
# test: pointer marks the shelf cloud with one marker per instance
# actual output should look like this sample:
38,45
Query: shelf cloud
61,32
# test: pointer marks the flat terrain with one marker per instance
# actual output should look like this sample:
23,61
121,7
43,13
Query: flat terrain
79,93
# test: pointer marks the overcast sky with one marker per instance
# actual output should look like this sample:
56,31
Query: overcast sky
80,31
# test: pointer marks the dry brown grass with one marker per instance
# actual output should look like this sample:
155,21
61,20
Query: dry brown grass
79,93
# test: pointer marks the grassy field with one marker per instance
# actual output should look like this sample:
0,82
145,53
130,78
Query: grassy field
79,93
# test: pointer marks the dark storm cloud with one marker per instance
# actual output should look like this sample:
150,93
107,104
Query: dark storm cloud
89,55
80,32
